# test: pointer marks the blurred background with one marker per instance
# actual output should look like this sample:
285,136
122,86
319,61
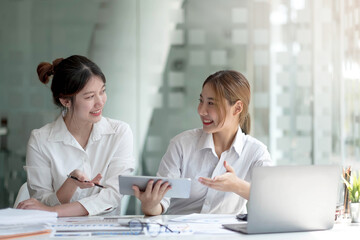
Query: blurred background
301,57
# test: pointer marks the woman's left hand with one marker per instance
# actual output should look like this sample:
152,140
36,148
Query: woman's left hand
228,182
225,182
32,203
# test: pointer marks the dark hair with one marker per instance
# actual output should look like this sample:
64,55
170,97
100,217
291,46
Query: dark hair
69,76
232,86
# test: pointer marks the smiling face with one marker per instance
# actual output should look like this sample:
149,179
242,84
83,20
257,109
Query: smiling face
88,103
211,115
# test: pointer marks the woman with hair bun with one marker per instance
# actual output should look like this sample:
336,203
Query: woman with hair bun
73,163
219,158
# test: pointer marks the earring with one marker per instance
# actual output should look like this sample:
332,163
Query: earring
64,111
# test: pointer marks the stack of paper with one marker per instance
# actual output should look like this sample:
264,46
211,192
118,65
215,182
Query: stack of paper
16,231
20,223
11,216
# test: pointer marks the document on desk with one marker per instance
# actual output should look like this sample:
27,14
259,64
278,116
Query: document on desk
17,231
88,226
15,223
10,216
207,223
206,218
103,226
95,219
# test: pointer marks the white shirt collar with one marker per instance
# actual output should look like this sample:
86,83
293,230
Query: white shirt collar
238,143
206,141
103,127
59,131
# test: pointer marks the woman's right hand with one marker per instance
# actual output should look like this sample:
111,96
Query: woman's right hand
150,199
68,188
84,181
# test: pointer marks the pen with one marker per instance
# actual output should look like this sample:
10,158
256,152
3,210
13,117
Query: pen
98,185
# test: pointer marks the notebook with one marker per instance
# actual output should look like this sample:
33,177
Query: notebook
290,199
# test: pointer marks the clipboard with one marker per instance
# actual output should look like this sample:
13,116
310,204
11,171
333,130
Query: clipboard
180,187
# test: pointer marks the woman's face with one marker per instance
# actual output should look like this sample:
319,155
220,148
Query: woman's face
89,102
209,115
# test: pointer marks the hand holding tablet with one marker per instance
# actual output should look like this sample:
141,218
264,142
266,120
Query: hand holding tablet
180,187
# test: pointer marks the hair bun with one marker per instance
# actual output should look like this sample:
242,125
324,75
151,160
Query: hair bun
55,63
44,71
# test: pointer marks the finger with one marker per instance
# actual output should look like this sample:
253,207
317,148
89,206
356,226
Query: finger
83,185
149,186
228,167
212,183
205,178
19,206
136,191
219,178
82,178
21,203
89,185
29,206
201,179
26,205
78,174
75,173
206,181
164,188
97,178
157,186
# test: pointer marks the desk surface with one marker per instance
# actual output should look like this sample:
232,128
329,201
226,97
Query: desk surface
340,231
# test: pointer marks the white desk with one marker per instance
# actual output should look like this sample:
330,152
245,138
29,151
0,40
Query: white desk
341,231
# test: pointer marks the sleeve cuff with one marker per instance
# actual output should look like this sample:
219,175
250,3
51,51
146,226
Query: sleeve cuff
165,203
96,207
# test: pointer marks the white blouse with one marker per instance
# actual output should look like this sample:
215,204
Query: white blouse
53,153
191,154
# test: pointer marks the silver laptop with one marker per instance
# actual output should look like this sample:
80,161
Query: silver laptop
290,199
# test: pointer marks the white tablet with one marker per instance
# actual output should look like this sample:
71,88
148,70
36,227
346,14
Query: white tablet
180,187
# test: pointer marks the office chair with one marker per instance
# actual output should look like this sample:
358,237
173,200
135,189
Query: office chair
23,194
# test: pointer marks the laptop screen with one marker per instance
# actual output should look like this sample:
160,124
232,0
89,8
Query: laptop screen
293,198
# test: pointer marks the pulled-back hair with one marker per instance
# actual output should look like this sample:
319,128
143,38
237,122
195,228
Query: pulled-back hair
69,76
232,86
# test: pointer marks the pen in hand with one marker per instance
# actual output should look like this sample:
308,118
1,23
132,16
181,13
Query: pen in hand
73,177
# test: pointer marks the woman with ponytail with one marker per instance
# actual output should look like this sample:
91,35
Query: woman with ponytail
73,163
219,158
